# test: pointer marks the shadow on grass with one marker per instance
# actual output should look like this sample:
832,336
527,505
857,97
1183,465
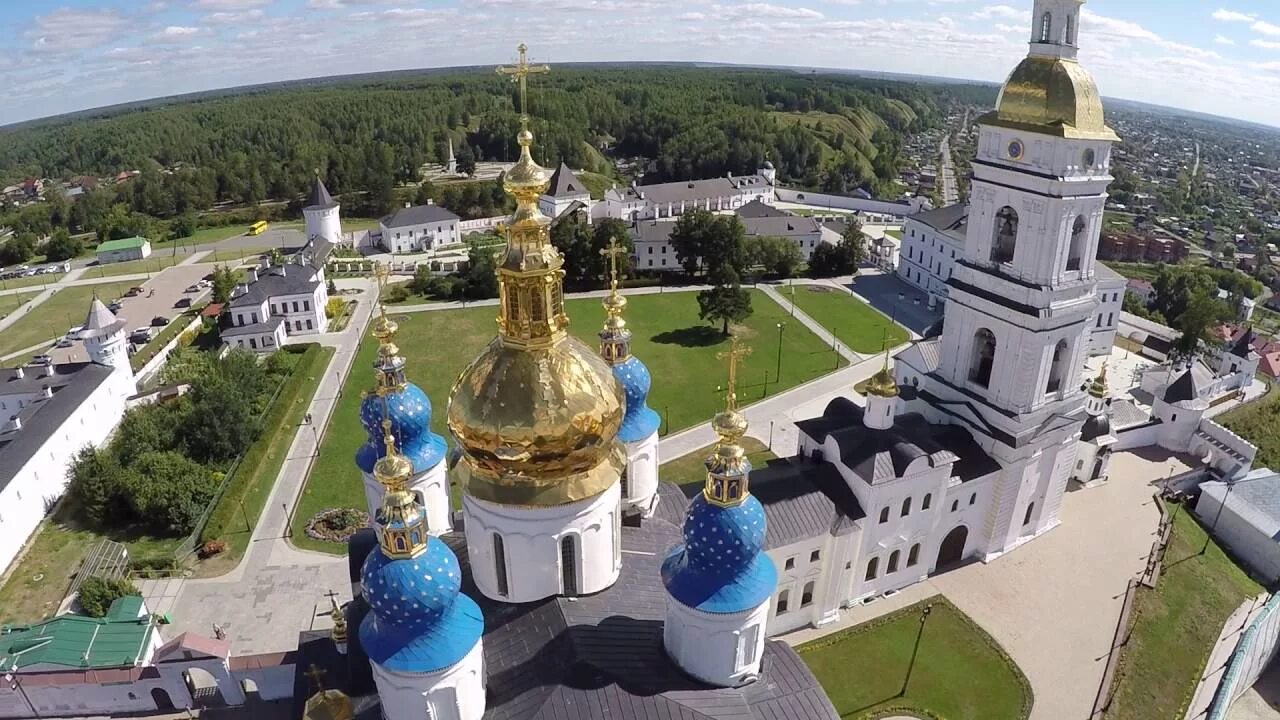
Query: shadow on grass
696,336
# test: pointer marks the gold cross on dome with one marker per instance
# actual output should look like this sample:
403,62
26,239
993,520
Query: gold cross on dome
736,351
612,252
317,676
519,73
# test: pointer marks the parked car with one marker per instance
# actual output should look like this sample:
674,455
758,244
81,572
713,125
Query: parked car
75,332
193,288
64,342
159,321
183,303
42,360
135,290
141,335
115,306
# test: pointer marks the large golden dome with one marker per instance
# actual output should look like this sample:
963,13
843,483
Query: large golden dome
1052,95
537,413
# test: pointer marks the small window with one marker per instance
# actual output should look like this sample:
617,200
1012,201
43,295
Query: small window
815,556
955,505
782,602
914,555
906,507
973,498
893,562
884,515
790,564
1174,419
873,567
928,499
1026,519
500,563
806,597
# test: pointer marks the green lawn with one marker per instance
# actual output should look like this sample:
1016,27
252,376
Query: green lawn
33,281
690,468
855,323
157,262
40,581
960,672
234,254
13,301
1134,271
1176,625
895,234
1259,423
679,349
51,319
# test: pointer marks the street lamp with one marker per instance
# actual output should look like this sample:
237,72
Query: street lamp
894,317
924,617
777,373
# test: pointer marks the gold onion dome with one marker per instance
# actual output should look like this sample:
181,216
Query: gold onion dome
882,383
1098,388
536,415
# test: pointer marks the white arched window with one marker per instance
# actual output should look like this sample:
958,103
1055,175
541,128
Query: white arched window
1058,369
1046,27
1004,241
1071,29
1079,237
893,562
873,568
982,358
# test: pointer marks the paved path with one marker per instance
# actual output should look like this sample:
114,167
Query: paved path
277,589
950,195
1053,604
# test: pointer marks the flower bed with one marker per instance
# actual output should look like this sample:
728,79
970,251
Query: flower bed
336,525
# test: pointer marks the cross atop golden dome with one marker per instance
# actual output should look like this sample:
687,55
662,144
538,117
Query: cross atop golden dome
615,338
882,383
728,458
326,704
1098,388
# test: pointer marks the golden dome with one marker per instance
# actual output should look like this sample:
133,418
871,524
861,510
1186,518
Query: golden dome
1098,388
538,426
1051,95
882,384
328,705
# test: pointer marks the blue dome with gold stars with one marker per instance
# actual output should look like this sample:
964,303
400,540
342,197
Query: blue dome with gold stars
720,567
410,413
419,620
640,421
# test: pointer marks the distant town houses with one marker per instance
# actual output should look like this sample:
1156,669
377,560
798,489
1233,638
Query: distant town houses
280,301
1139,247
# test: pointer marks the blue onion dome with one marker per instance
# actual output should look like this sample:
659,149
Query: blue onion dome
640,420
419,620
409,411
720,567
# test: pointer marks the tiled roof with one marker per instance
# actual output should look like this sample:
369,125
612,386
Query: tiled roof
418,215
286,279
758,209
320,197
76,642
564,184
122,244
691,190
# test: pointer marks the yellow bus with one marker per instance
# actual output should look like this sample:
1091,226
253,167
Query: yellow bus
258,228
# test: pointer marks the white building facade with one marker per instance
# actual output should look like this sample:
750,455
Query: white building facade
419,228
277,303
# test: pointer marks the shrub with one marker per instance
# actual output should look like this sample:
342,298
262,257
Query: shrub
211,548
395,294
97,593
333,308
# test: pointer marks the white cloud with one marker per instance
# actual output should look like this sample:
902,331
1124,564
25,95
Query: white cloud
1125,30
1265,44
1266,28
772,11
67,29
1224,15
234,18
693,17
1224,40
227,4
1001,12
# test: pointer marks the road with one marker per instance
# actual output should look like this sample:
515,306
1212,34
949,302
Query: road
950,195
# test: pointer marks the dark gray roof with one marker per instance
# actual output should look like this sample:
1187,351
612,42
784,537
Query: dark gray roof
1095,426
265,327
71,383
910,438
315,252
1243,345
1189,385
564,184
756,209
802,500
277,280
693,190
320,197
418,215
950,220
782,226
601,656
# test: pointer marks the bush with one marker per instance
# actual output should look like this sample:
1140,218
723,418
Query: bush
211,548
395,294
62,247
334,307
97,593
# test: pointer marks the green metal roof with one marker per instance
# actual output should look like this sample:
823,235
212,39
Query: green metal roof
74,641
122,244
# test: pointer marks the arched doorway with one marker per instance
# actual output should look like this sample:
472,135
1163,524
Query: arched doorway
161,698
952,549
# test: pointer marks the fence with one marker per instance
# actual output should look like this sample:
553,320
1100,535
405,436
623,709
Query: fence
153,365
1257,647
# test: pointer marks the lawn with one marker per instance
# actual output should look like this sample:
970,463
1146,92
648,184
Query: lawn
1176,625
13,301
157,262
51,319
43,576
1259,423
261,463
895,234
854,322
234,254
679,349
691,468
959,673
33,281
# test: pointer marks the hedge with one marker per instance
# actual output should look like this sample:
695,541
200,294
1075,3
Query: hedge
227,512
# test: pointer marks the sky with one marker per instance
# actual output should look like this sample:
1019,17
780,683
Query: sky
64,55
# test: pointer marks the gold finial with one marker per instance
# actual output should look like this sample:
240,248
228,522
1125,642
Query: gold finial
735,352
317,677
612,252
1098,388
519,73
339,632
392,470
615,345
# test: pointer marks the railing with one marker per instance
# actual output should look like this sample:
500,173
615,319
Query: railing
1241,660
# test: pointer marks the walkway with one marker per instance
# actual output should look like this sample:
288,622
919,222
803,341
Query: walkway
1054,602
277,590
1219,658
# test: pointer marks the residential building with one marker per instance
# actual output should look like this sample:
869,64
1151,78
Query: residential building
279,302
1106,318
673,199
123,250
1141,247
1143,290
1245,516
419,228
652,238
931,242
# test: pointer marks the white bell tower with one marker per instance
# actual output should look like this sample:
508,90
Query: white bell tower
1019,302
104,338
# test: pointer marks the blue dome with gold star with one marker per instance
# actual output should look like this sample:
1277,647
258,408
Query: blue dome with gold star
419,620
640,420
720,567
409,410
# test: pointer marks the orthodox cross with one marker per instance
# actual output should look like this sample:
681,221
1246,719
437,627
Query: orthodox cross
612,252
519,73
382,272
317,676
736,350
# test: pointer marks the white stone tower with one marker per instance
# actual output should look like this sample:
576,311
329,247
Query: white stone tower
321,216
1019,302
104,338
1096,438
451,164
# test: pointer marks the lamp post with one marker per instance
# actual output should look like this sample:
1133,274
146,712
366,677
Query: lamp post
894,315
777,373
15,683
924,617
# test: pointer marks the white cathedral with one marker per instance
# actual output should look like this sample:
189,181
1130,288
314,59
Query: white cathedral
577,579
